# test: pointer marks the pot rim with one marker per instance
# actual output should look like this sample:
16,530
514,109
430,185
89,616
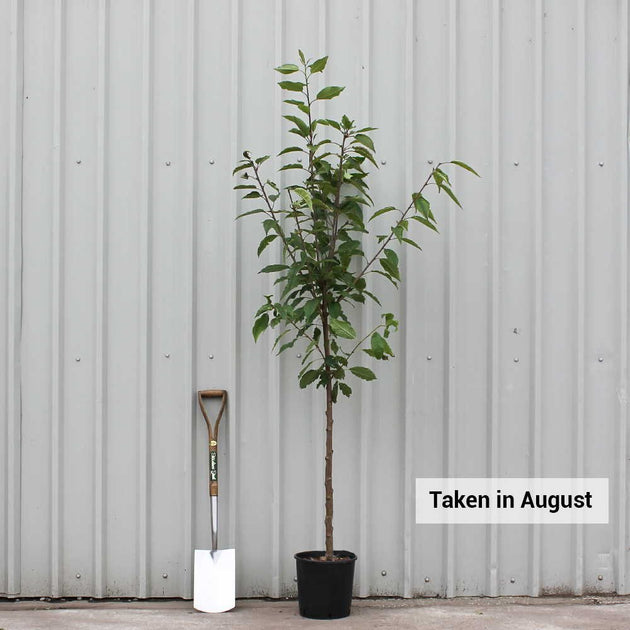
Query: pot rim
345,557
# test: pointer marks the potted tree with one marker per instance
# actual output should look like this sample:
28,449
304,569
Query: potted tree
320,223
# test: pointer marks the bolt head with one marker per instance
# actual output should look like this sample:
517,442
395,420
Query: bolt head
516,359
211,356
78,161
77,359
515,163
299,355
429,161
427,579
164,575
299,160
600,359
601,164
167,355
295,579
600,577
211,162
429,357
383,573
167,163
78,576
512,580
383,162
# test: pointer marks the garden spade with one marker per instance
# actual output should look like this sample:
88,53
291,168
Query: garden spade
214,581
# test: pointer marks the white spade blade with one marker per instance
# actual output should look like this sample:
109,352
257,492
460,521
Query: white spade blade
214,589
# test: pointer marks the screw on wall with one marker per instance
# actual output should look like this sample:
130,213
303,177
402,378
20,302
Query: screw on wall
429,161
516,359
512,580
427,579
77,359
383,573
78,576
383,162
167,355
167,163
600,359
164,575
515,162
210,161
429,357
601,164
78,161
211,356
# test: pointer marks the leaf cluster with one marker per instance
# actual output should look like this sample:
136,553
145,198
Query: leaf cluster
321,223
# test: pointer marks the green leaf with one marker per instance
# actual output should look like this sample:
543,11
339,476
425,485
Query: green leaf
365,140
362,372
252,195
392,256
292,86
329,92
260,325
342,329
244,214
301,125
421,205
310,307
304,195
272,268
450,193
425,222
308,377
329,123
318,65
290,150
345,389
465,166
382,211
412,243
390,268
242,167
287,68
265,242
379,346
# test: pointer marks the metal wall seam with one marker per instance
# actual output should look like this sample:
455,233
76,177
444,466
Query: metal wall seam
144,293
14,301
622,391
189,195
273,362
578,531
450,380
234,269
407,381
100,324
536,314
367,323
57,305
495,265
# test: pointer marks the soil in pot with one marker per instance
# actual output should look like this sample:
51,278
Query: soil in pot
324,587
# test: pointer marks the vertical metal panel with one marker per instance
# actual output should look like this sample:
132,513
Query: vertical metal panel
127,285
12,69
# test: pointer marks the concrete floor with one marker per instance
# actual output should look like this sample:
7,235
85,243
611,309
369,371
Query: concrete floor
515,613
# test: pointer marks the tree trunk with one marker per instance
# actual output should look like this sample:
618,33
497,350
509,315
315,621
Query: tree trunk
328,473
328,520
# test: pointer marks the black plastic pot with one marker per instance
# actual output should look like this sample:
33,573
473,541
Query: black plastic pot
325,588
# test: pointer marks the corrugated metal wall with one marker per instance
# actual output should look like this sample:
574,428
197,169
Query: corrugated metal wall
126,285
